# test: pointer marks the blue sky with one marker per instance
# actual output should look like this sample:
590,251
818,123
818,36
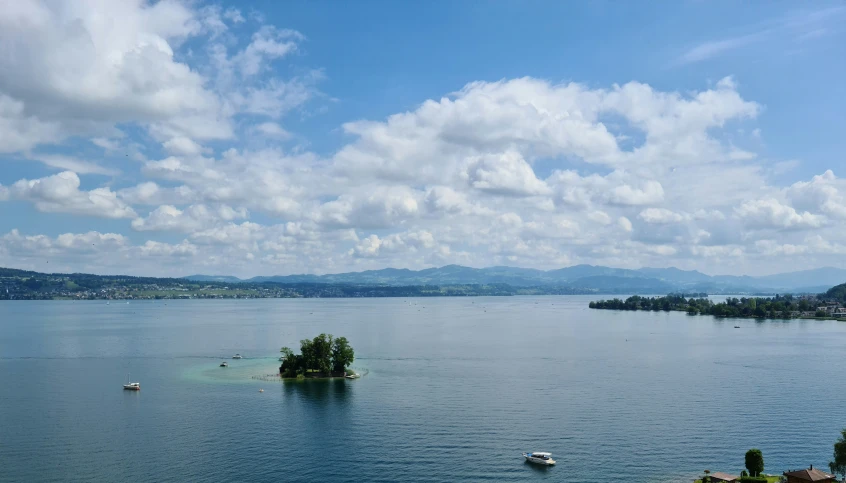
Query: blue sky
286,137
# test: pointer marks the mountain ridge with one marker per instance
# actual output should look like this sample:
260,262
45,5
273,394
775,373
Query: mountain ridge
595,277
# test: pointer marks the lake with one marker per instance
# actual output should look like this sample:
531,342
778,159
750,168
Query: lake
455,389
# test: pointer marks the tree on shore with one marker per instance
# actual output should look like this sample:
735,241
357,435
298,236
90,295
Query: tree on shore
323,354
342,354
754,462
838,466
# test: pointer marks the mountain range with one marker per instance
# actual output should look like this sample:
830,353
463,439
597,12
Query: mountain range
583,277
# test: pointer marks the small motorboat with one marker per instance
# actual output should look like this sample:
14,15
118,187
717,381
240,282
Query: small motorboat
736,326
539,458
237,356
224,364
281,359
131,386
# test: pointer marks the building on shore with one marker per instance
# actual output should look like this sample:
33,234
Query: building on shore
810,474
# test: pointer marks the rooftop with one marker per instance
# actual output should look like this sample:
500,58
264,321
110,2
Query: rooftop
810,474
723,477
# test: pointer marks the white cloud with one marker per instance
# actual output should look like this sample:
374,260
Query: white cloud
505,174
273,130
182,146
149,193
825,193
69,163
661,216
373,246
64,72
379,207
122,70
231,234
192,219
771,213
159,249
60,193
71,244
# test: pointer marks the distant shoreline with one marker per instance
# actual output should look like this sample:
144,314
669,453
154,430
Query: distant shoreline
432,291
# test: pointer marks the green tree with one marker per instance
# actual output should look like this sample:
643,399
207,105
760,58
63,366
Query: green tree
754,462
307,353
839,463
322,349
292,364
342,354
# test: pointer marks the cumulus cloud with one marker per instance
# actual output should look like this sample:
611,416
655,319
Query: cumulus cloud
68,243
373,246
825,193
60,193
505,174
771,213
192,219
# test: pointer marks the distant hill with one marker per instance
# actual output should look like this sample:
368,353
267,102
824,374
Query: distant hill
837,293
590,278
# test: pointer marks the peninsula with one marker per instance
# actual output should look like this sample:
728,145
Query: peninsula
828,305
322,357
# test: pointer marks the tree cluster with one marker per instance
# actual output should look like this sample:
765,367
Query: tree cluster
779,306
324,355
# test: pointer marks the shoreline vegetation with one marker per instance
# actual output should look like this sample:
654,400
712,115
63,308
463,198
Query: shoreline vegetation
828,305
324,357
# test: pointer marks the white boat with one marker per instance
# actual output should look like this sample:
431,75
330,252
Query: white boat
224,364
539,458
237,356
281,359
131,386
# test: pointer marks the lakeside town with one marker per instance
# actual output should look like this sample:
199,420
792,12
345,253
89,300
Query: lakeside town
26,285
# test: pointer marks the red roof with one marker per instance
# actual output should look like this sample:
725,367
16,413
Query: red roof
810,474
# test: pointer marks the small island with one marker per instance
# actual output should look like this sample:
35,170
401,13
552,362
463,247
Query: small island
322,357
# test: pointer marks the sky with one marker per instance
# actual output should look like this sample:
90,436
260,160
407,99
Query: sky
168,138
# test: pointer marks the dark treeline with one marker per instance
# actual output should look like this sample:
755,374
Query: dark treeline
780,306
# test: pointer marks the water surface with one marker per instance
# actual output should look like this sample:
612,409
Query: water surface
457,388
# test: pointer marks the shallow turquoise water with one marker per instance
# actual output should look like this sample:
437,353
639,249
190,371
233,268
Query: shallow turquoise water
457,388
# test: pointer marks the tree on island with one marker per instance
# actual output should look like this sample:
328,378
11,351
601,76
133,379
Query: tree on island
324,355
754,462
838,466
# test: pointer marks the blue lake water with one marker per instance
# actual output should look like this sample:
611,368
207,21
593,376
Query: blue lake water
456,389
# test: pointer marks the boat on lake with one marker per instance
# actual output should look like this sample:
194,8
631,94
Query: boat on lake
224,364
237,356
539,458
131,386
